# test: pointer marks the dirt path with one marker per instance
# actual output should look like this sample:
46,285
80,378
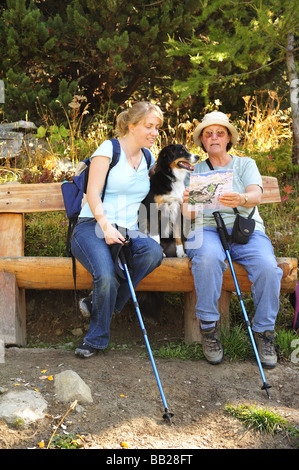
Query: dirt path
127,406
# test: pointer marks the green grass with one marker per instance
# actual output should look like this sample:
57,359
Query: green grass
263,420
286,341
46,234
236,344
177,350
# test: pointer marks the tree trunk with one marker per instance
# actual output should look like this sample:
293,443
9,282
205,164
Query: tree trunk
294,94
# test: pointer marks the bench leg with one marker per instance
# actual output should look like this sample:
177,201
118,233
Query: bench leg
12,311
191,323
223,308
192,332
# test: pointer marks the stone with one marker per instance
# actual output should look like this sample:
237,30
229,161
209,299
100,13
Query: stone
22,406
70,387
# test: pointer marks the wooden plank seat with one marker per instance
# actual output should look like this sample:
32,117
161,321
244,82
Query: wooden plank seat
19,272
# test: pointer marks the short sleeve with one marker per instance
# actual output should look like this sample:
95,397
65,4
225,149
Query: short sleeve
250,173
104,150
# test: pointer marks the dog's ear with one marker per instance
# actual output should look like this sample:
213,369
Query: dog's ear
167,152
163,158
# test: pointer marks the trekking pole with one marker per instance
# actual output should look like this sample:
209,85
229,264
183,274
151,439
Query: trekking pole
223,234
167,415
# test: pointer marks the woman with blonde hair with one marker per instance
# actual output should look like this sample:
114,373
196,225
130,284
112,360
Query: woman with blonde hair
104,223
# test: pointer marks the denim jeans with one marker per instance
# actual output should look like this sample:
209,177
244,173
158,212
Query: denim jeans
257,257
110,293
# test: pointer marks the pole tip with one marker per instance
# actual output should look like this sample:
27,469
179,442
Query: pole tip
266,387
167,416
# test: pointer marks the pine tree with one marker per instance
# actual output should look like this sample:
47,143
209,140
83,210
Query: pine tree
106,50
238,41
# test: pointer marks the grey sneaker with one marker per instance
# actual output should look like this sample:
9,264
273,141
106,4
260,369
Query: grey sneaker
211,345
85,351
266,348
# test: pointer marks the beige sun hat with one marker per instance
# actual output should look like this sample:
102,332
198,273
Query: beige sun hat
210,119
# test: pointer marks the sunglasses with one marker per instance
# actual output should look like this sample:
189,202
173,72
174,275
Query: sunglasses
209,134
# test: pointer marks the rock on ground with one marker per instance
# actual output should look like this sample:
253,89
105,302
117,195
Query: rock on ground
24,406
69,387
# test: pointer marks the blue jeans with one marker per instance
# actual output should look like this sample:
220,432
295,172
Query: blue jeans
110,293
257,257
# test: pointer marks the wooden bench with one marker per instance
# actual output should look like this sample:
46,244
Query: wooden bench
19,272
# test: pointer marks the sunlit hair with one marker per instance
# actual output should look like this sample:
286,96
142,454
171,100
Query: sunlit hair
134,115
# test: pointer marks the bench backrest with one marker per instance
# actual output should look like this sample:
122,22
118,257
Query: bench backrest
44,197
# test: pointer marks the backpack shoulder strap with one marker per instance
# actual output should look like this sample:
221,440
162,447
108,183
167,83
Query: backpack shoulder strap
114,161
147,155
115,154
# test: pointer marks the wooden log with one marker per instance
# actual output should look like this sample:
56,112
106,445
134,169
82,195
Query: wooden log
271,191
44,197
289,267
174,275
191,323
26,198
12,235
12,311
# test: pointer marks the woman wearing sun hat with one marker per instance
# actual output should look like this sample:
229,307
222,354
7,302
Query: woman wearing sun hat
216,135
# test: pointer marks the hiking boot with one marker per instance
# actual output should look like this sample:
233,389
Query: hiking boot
85,306
211,345
266,348
85,351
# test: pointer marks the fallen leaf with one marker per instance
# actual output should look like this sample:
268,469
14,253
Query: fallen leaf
124,444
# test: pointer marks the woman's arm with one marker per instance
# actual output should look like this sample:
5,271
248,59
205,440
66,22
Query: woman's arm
251,198
97,174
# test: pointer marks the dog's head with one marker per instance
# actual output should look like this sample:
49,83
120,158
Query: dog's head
176,157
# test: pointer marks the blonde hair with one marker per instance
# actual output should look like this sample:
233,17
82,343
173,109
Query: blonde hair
134,115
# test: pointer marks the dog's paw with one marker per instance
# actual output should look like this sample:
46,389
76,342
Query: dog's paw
180,252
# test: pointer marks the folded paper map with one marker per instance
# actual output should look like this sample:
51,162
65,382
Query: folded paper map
205,188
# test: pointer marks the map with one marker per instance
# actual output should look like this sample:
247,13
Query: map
205,188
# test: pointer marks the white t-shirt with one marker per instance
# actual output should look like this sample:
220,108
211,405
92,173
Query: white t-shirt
126,189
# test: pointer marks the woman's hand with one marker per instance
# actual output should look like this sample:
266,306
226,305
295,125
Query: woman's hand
252,197
231,199
186,195
112,235
185,209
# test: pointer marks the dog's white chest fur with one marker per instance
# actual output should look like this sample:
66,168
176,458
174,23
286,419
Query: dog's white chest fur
177,189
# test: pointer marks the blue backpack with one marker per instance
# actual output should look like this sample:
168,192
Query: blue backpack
73,191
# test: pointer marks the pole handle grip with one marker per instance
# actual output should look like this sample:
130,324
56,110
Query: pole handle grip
221,230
